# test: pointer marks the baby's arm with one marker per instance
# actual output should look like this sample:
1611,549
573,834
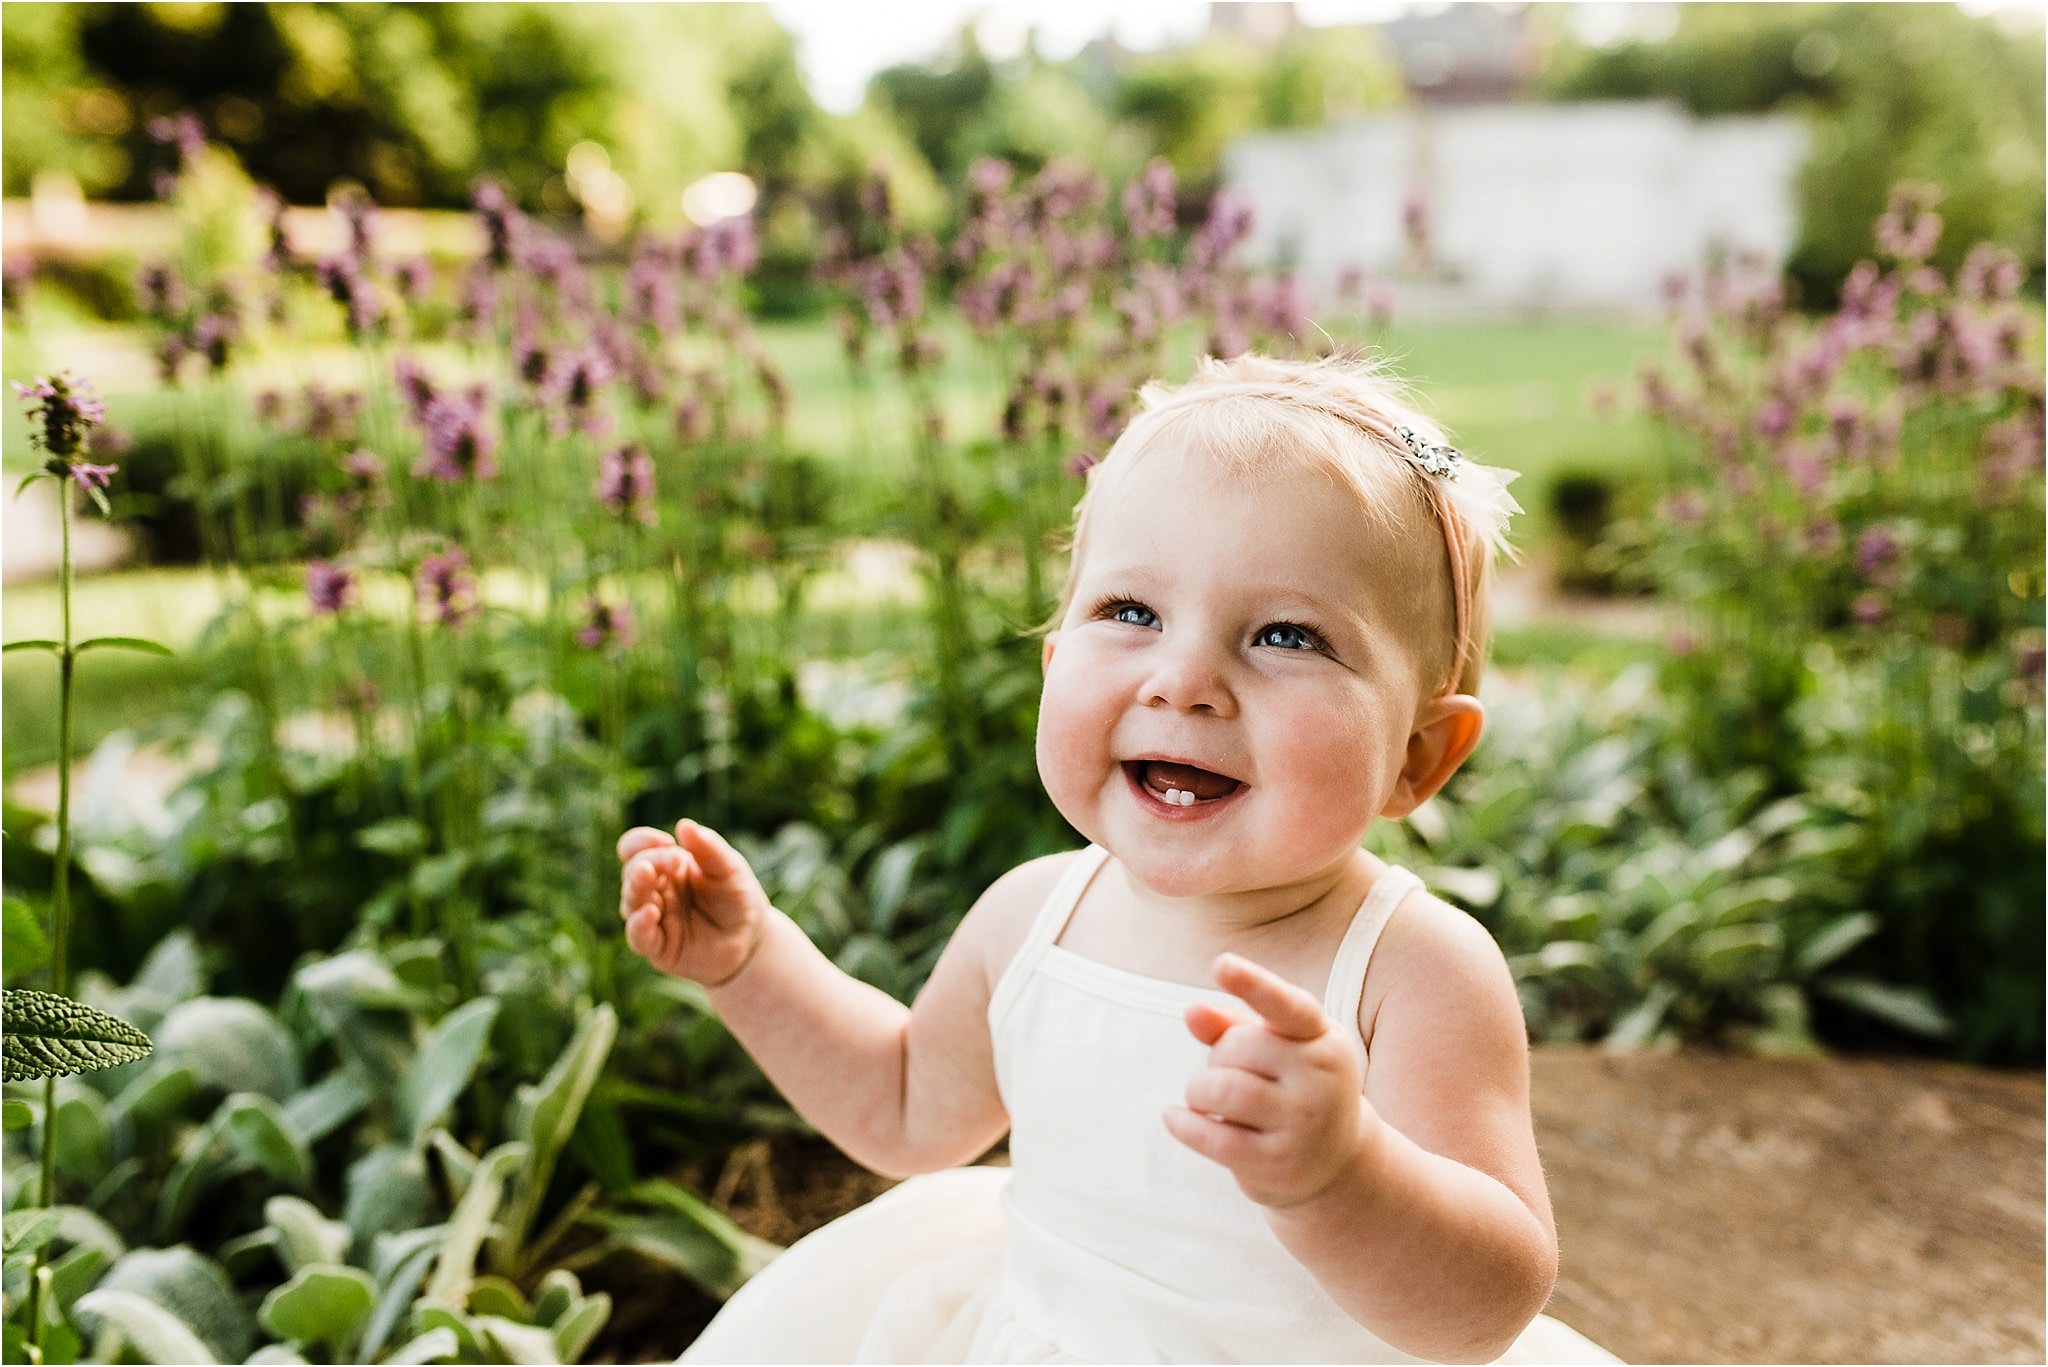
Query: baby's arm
899,1090
1439,1239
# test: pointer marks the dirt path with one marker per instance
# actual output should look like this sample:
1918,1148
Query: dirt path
1711,1208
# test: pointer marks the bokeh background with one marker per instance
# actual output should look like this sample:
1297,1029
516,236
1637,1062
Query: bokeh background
526,421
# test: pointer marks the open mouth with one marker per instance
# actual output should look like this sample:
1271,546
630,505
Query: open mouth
1180,786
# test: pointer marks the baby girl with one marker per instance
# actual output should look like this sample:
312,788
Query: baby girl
1270,637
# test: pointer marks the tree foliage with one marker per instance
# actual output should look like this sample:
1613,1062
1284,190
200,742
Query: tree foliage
1914,92
411,100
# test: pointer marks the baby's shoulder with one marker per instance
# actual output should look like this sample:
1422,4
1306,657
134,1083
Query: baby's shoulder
1435,959
1002,917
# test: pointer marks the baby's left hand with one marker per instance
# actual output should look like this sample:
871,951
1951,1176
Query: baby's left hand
1278,1102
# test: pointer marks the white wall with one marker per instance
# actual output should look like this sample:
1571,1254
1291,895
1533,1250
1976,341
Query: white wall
1571,207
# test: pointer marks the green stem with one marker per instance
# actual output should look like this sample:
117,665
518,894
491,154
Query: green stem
60,975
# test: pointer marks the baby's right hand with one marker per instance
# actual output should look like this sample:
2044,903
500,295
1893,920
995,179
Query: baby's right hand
691,904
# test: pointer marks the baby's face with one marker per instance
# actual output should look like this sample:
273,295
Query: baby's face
1259,630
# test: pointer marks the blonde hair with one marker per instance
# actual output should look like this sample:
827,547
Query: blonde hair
1256,413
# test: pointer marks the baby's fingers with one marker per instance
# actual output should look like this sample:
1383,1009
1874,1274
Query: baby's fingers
642,838
648,934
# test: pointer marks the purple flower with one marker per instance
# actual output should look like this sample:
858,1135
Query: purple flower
278,257
171,350
1229,223
1149,200
329,587
185,131
416,387
1877,554
1990,274
445,589
1415,219
503,224
576,384
1686,507
331,416
1869,608
90,476
67,411
212,336
162,292
359,215
413,277
459,439
1909,229
625,483
343,279
1773,419
606,625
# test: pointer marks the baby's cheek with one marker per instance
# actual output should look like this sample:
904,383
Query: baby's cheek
1337,764
1066,748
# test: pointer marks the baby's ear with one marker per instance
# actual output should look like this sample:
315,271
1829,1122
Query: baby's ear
1051,640
1445,735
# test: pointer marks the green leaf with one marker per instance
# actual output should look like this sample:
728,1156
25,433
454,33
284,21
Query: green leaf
516,1342
152,1331
305,1237
260,1134
496,1296
324,1304
19,1115
24,947
574,1330
399,1262
1640,1024
194,1289
544,1117
54,647
232,1044
429,1314
81,1132
125,643
431,1346
1907,1008
690,1235
471,1221
61,1343
27,1233
1834,940
387,1191
154,1097
399,836
321,1109
444,1066
51,1036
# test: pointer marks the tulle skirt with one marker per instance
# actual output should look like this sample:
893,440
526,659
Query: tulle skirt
915,1276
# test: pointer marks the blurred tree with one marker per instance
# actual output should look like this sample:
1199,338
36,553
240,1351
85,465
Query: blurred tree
1895,92
1192,101
411,100
937,103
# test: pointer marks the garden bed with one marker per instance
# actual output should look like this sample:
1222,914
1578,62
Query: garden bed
1712,1208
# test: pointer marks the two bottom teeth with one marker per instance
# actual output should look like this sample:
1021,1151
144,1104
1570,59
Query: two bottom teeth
1178,797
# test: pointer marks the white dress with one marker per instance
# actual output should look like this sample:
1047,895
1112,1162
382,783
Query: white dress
1106,1240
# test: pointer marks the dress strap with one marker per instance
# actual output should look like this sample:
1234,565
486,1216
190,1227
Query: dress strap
1051,919
1347,970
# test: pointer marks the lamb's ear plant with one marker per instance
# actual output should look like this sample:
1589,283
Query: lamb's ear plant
46,1035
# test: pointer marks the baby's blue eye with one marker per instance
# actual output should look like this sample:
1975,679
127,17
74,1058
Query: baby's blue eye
1118,615
1290,633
